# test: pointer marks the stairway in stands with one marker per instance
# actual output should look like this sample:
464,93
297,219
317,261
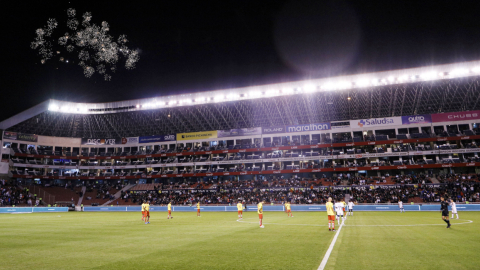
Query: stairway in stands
347,198
80,200
117,195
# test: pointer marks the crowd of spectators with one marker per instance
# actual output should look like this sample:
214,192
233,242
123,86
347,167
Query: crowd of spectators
308,191
11,195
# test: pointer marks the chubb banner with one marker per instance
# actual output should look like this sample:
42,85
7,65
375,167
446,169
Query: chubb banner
197,135
376,122
455,116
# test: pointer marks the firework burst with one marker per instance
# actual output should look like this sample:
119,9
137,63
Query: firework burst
93,44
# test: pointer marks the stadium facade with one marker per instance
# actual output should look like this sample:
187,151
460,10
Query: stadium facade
421,120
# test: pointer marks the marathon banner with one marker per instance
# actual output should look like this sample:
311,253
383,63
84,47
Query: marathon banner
417,119
197,135
309,127
455,116
20,136
273,130
376,122
239,132
86,141
158,138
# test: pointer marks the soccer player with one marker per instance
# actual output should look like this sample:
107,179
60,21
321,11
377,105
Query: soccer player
350,208
288,208
400,205
143,210
198,209
344,212
331,215
169,210
240,210
260,213
147,212
444,210
454,208
339,210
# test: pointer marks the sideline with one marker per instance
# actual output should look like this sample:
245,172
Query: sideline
329,251
373,225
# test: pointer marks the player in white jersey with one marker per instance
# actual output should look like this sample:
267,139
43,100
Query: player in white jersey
350,208
454,208
339,209
400,205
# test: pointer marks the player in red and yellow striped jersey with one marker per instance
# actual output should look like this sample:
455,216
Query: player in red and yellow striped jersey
240,210
288,209
260,213
169,210
331,215
198,209
143,211
147,212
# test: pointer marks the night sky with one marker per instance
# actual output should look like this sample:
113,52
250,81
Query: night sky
189,46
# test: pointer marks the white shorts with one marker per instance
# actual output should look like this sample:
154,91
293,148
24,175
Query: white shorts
454,211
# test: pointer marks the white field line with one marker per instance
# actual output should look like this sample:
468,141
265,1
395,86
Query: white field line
330,248
379,225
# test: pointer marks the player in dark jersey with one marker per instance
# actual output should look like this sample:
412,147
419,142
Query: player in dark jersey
444,210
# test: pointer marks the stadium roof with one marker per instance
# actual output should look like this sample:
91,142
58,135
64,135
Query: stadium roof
432,89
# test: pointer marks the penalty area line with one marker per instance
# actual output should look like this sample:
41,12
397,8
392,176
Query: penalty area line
330,248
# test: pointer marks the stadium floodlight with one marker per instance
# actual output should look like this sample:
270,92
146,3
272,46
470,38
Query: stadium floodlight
362,83
429,76
403,78
53,108
391,79
309,88
287,91
343,85
254,94
476,69
328,87
138,106
458,72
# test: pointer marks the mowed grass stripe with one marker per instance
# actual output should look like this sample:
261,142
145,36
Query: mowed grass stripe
412,247
122,241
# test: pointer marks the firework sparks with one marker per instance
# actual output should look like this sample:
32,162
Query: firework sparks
95,46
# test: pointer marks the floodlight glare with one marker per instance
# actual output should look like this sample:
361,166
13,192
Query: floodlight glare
309,88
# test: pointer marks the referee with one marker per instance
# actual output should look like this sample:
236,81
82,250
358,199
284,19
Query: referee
444,209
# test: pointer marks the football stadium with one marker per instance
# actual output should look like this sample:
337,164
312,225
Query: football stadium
290,134
346,172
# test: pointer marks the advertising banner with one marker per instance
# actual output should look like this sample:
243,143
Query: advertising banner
20,136
417,119
376,122
455,116
10,135
158,138
27,137
130,140
239,132
197,135
86,141
309,127
273,130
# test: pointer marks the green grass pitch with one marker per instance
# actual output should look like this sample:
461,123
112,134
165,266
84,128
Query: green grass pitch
369,240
